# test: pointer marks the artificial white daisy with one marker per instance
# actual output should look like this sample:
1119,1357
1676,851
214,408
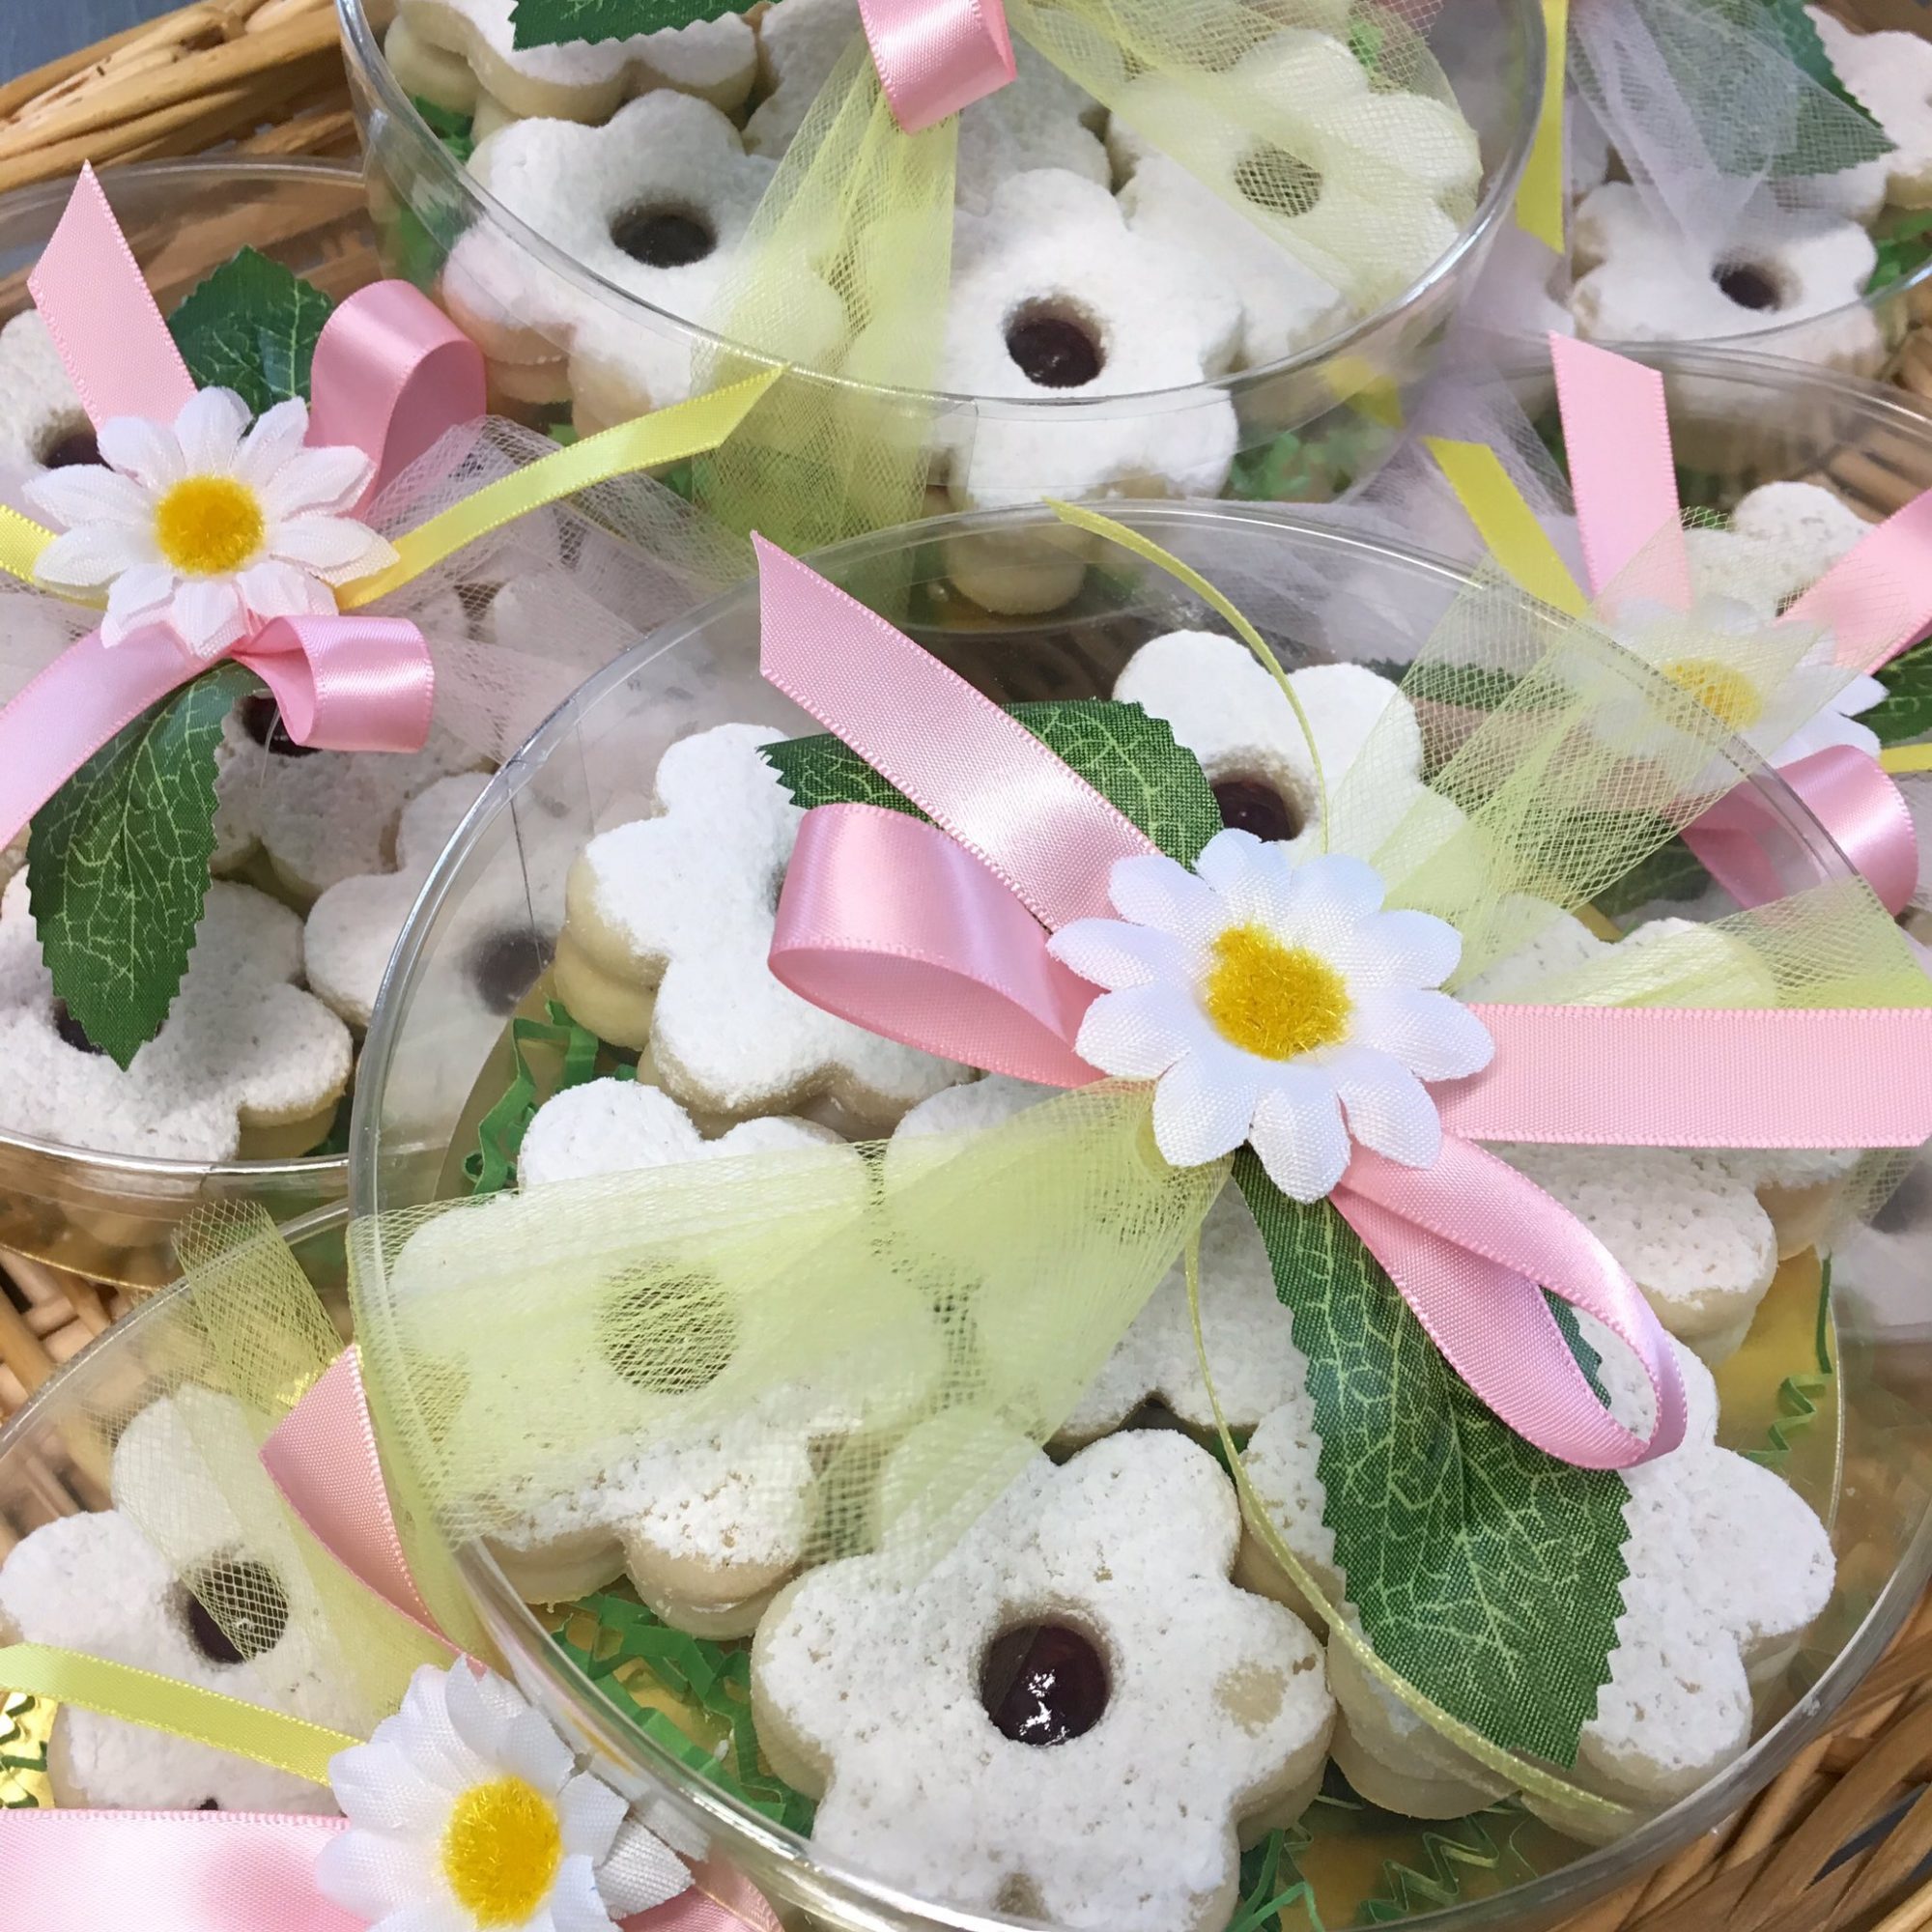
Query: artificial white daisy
467,1811
208,531
1269,1000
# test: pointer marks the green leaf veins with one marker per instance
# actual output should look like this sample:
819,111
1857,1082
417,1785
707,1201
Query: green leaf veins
251,327
550,23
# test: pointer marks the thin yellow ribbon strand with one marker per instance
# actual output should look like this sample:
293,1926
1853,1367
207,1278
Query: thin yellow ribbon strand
1540,198
203,1716
1906,759
1507,524
1523,1774
669,435
1149,552
22,541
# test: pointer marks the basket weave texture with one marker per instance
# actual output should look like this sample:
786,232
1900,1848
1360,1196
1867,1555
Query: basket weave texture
265,78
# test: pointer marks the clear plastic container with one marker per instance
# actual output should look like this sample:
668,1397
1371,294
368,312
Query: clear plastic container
112,1217
430,1071
1299,437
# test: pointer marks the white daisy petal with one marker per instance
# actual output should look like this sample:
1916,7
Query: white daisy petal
1329,897
1161,893
207,615
317,479
1400,949
210,427
139,592
1139,1033
1435,1037
589,1814
1860,695
1231,863
148,451
1112,953
373,1876
429,1915
1297,1133
533,1751
480,1719
1388,1108
575,1903
641,1871
433,1741
272,444
94,555
1202,1109
336,549
1819,733
86,493
381,1788
273,589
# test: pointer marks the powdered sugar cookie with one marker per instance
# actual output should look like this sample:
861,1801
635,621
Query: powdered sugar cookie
1783,538
1726,1566
247,1065
315,817
1068,1715
43,425
1405,192
1890,73
1286,307
428,72
657,203
351,928
668,925
799,41
1641,279
585,80
227,1607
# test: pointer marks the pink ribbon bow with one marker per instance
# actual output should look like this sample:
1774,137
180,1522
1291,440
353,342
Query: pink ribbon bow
935,57
936,935
391,373
1875,600
212,1871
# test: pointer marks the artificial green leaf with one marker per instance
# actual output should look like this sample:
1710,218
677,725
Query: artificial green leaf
550,23
456,131
1853,133
1486,1572
251,327
1905,712
1129,759
117,863
1673,872
1903,245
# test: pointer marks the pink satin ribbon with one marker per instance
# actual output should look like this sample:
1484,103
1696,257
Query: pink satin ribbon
935,57
883,924
245,1871
1877,598
391,376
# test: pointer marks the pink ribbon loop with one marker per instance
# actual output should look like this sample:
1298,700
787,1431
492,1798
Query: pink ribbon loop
392,375
935,57
346,684
1472,1243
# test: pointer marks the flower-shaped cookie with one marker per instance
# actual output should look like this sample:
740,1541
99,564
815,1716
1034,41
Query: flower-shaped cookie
353,926
1783,538
667,924
1068,1715
1640,278
585,80
245,1065
657,204
1892,75
1054,299
43,425
226,1607
1726,1565
1367,187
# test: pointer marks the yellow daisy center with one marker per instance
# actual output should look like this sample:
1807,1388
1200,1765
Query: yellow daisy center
209,526
502,1851
1727,694
1274,1001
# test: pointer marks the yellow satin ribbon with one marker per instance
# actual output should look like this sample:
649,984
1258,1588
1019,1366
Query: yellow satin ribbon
1906,759
1507,524
1097,524
669,435
1541,196
203,1716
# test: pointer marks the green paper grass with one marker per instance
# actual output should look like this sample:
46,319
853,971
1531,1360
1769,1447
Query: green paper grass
492,1165
1798,1405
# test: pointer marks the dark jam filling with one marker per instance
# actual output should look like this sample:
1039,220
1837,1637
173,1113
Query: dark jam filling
1054,350
1249,806
662,238
1747,285
637,1325
1042,1684
262,720
72,1030
1273,179
78,447
254,1611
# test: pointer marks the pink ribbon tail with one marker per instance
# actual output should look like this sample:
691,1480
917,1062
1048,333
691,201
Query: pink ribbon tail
346,684
978,775
889,922
1877,598
1617,432
323,1459
98,308
935,57
392,375
1848,795
1472,1243
1684,1076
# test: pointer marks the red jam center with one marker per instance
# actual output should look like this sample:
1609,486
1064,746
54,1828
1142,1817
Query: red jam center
1042,1684
1249,806
262,720
1747,285
72,1030
77,449
254,1611
505,966
1054,350
662,238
